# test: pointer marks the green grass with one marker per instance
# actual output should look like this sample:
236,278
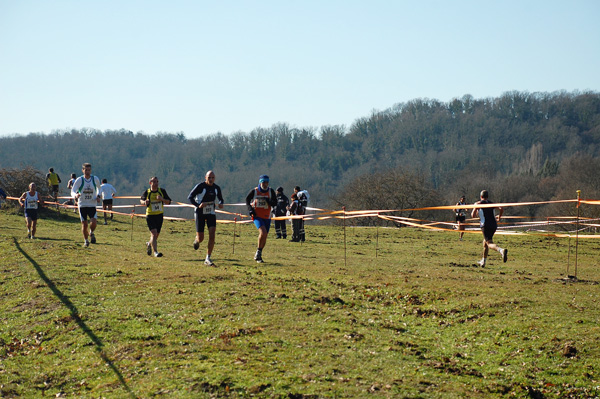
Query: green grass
418,320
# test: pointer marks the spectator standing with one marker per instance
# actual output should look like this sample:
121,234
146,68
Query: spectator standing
296,209
280,210
303,198
3,196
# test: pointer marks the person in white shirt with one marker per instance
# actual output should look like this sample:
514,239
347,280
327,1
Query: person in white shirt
86,190
30,201
107,191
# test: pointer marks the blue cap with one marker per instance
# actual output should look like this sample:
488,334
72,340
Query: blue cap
263,178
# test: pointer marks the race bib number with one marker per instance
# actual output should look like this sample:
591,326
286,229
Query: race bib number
261,202
88,194
209,208
32,205
156,206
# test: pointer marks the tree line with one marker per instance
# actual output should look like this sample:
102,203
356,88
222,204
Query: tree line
520,146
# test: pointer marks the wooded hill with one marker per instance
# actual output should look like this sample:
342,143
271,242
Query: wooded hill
520,146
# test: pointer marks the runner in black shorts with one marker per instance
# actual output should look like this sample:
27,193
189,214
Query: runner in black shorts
154,199
488,223
460,214
31,201
155,222
205,197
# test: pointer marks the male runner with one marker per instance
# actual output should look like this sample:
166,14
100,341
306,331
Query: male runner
86,191
488,224
30,201
154,198
205,196
259,202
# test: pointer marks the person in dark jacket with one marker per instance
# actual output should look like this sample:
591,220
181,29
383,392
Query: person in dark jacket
280,210
297,209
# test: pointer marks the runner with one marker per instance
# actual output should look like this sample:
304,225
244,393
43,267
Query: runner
154,198
31,201
460,216
86,191
53,183
203,197
488,227
259,202
107,191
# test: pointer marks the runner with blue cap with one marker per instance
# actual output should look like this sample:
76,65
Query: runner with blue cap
259,201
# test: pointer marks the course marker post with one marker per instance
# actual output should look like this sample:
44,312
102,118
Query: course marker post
132,213
234,224
344,219
577,230
377,239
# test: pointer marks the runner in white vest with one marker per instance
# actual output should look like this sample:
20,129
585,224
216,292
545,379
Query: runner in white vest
86,190
31,201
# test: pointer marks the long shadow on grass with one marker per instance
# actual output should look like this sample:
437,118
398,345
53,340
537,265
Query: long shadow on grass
75,315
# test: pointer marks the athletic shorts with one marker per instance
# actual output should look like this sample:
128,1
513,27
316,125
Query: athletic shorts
202,219
31,214
460,218
154,222
87,211
107,202
488,233
54,189
260,222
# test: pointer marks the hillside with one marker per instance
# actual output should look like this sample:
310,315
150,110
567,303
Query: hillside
536,144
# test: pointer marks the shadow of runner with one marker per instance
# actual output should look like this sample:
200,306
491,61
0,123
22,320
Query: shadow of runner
75,314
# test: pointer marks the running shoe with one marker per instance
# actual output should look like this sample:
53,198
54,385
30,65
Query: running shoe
86,244
196,245
158,254
209,262
505,254
481,263
149,249
92,238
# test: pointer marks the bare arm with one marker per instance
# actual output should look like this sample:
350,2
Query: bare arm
475,210
500,212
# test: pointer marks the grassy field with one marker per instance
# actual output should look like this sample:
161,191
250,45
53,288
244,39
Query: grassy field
406,314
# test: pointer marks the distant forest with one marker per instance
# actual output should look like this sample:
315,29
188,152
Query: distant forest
520,146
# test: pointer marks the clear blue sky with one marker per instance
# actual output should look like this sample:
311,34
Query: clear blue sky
201,67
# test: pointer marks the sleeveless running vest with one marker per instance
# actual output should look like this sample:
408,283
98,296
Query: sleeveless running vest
261,203
486,215
53,178
31,201
155,207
